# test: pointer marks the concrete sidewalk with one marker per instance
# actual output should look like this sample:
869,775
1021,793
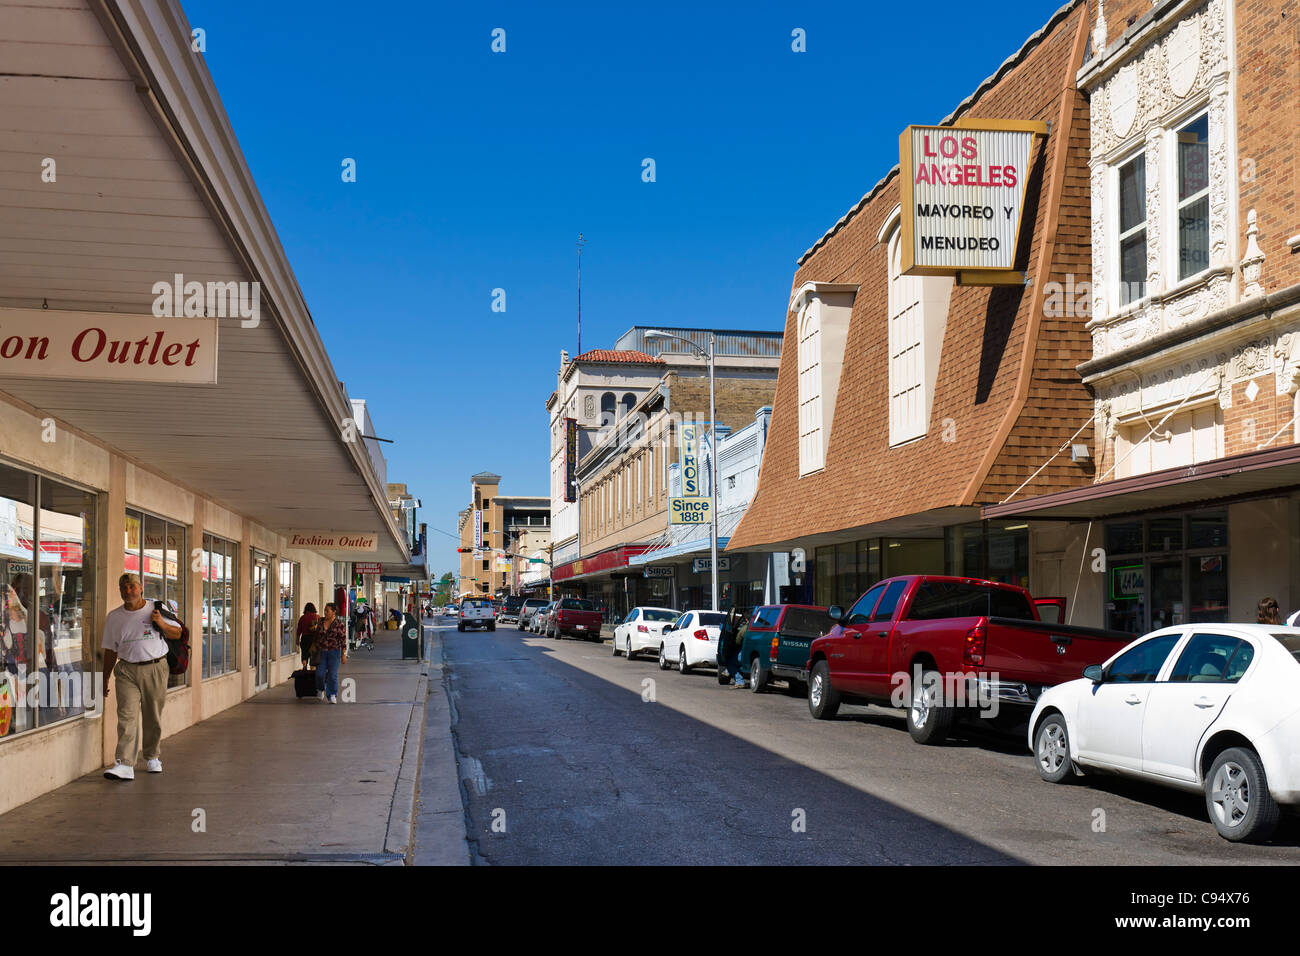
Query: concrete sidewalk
276,779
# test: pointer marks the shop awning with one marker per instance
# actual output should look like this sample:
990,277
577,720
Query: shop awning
685,539
1252,475
604,562
151,183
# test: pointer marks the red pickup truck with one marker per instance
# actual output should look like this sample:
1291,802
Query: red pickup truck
943,645
577,617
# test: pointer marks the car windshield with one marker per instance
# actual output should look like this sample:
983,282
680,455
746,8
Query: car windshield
534,604
650,614
712,619
573,604
1291,642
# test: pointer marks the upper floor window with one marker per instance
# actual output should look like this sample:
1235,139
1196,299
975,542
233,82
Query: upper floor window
607,403
1194,197
811,449
918,316
1133,230
626,404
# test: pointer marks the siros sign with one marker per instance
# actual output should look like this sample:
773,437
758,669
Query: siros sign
962,194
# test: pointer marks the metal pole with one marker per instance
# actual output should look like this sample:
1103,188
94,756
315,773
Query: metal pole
713,478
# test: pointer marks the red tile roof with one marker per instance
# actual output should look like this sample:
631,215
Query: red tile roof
619,355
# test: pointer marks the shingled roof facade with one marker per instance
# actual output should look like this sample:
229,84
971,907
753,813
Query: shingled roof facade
1006,394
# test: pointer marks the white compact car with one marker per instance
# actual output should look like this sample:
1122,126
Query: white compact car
1208,708
642,630
691,640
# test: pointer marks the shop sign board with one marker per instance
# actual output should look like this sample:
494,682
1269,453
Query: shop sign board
963,196
334,540
657,571
705,565
689,510
570,458
1128,583
478,528
367,567
106,347
689,454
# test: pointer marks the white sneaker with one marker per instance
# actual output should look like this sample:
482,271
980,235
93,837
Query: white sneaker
333,699
154,765
120,771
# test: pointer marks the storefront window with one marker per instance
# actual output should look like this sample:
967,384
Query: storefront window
1167,571
218,606
154,548
66,599
289,572
17,639
913,556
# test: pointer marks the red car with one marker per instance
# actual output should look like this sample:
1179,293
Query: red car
940,645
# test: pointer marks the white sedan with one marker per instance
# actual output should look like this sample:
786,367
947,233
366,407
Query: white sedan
691,640
642,630
1207,708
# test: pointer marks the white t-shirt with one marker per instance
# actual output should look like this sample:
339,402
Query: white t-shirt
131,634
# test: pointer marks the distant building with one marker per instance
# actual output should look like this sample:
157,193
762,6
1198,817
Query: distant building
498,529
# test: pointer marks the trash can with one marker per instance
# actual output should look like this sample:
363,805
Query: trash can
412,640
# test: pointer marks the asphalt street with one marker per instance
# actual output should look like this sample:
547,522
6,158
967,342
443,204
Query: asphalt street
569,755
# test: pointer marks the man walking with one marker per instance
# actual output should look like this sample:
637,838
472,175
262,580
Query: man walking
136,649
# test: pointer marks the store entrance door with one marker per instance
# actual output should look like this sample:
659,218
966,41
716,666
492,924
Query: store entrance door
260,620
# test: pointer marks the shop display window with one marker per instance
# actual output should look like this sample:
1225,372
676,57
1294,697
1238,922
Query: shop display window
1166,571
218,570
47,625
156,549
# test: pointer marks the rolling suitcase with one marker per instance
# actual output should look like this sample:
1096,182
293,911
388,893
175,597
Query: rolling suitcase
304,683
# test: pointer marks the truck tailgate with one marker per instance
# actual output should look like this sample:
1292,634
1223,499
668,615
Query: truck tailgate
1038,652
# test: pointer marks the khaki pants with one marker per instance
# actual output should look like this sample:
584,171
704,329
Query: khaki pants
141,693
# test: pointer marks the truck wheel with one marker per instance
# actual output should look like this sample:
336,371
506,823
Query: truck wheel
928,721
823,701
1237,797
461,628
521,625
758,677
1052,750
682,666
663,659
492,626
723,677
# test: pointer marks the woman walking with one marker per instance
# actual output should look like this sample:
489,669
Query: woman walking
331,637
305,625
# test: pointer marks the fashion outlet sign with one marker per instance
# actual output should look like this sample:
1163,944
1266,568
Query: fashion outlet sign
104,347
334,540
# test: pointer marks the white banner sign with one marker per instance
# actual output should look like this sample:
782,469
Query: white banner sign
963,191
478,528
104,347
334,540
689,452
700,565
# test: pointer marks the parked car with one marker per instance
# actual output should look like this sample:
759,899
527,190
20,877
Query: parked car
642,630
537,624
509,613
776,643
576,617
939,645
691,640
476,612
528,609
1206,708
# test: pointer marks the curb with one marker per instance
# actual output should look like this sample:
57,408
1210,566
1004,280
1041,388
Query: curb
440,809
399,836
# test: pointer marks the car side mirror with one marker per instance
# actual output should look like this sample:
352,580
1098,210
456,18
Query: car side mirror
836,612
1095,673
668,628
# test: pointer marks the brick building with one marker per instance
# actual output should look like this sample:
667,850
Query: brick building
905,403
1194,315
511,526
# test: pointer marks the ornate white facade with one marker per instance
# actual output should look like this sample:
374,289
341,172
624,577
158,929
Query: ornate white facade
1166,73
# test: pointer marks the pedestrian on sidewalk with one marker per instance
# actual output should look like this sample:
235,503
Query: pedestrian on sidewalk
331,636
730,641
305,625
135,649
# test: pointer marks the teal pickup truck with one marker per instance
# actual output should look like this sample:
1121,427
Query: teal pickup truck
776,643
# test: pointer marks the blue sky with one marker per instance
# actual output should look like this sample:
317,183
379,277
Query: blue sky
477,170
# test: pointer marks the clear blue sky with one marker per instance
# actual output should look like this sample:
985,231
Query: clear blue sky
477,170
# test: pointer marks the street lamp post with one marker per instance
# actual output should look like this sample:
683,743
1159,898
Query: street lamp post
713,451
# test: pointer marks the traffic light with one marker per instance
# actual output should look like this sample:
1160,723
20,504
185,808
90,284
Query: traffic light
464,550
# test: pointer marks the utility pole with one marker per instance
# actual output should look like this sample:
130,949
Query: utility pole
581,243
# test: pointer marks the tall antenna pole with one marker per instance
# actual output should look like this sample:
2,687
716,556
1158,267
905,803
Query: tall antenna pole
581,242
